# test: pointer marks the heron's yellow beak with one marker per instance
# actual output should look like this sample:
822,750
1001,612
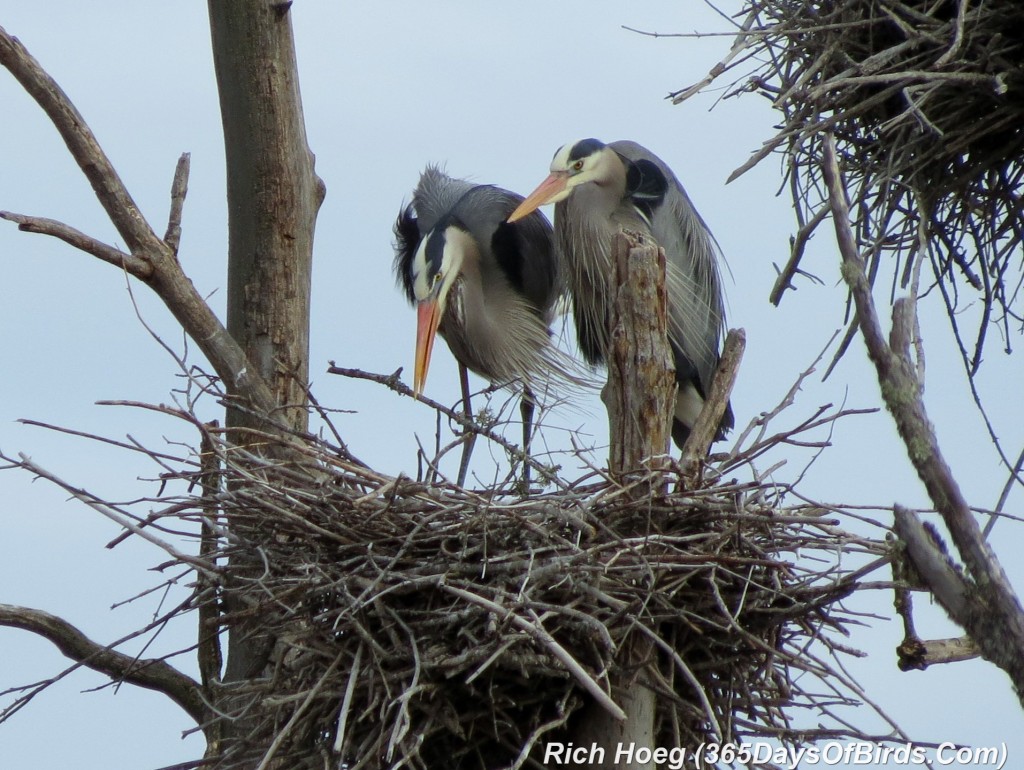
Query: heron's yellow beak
428,317
548,190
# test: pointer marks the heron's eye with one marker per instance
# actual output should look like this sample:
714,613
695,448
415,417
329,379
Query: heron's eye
437,278
577,166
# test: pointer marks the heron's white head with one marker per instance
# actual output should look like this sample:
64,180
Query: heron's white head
574,164
435,268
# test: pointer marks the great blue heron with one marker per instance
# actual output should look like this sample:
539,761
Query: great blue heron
600,189
487,285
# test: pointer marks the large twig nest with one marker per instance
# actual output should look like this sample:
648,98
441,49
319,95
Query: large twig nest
926,101
401,624
428,626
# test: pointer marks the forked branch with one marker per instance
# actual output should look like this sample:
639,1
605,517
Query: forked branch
150,258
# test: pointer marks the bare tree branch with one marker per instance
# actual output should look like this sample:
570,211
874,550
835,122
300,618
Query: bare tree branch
140,268
109,189
209,655
110,511
996,620
917,655
704,430
179,189
740,44
394,382
932,564
165,276
151,674
1014,478
797,246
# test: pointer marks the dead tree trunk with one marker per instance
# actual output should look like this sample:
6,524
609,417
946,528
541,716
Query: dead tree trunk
273,199
639,395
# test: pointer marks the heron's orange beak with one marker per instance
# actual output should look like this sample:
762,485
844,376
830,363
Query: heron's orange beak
547,190
428,317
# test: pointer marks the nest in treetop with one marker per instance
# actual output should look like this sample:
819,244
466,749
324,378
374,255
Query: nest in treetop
429,626
926,101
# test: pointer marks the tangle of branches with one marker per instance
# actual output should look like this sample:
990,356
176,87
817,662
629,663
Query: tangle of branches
423,624
926,101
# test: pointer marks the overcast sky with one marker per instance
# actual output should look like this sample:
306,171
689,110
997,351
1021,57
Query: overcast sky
491,90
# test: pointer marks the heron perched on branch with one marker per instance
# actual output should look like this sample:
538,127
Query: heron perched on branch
600,189
488,286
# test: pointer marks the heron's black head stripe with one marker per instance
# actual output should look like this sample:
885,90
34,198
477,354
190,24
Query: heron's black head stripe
585,148
434,251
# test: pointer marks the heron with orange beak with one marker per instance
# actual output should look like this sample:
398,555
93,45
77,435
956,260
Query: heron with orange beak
600,189
488,286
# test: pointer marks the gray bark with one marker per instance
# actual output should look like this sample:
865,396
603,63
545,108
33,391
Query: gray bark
982,601
273,196
639,397
273,199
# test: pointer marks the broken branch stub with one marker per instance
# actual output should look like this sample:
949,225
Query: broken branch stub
641,374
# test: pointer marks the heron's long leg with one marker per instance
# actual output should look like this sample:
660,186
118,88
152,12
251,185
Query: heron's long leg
470,436
526,405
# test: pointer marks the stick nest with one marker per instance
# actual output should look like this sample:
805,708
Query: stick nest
926,101
429,626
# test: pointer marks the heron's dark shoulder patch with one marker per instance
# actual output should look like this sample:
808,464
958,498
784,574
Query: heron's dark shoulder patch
585,148
506,244
646,186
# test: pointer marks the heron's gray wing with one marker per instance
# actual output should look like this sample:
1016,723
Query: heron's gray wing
541,277
692,254
435,195
694,278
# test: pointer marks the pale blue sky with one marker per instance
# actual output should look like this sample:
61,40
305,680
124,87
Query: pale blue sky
492,90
